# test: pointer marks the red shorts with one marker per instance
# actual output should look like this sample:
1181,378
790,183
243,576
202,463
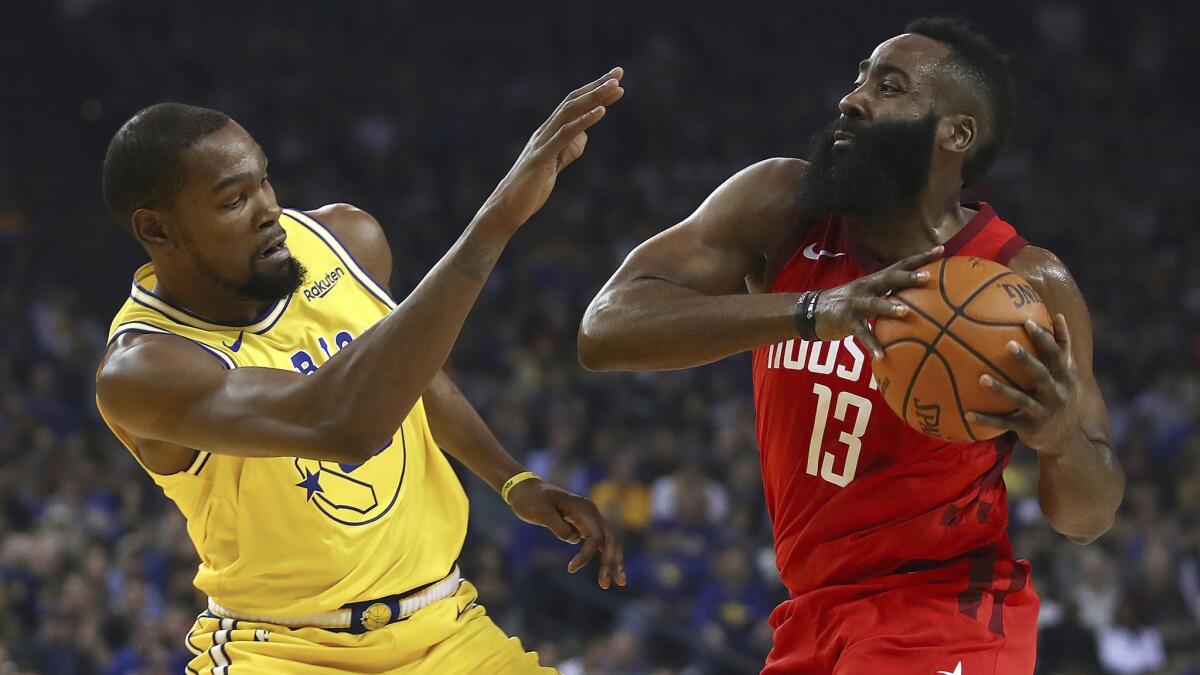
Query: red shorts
923,623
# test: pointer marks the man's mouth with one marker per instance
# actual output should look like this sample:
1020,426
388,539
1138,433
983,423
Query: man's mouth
276,249
842,137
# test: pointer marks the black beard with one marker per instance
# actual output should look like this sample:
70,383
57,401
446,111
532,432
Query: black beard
269,288
881,170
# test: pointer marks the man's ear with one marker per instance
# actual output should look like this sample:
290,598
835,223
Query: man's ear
957,133
149,227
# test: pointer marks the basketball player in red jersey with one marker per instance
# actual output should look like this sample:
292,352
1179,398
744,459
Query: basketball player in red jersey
892,544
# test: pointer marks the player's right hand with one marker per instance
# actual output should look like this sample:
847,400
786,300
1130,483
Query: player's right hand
558,142
847,309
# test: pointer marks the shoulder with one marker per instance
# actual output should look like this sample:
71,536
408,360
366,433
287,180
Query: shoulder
757,205
767,185
1054,284
362,235
1043,270
358,230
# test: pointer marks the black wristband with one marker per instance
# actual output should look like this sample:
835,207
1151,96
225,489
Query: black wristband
806,314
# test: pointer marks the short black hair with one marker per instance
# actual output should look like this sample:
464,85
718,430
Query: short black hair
142,167
986,68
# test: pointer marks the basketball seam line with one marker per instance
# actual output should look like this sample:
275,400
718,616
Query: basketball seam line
983,322
912,380
943,329
958,312
957,399
979,289
959,340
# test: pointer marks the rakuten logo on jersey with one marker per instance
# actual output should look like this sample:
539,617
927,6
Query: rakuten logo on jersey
322,286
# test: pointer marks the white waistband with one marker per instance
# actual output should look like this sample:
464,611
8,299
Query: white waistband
340,618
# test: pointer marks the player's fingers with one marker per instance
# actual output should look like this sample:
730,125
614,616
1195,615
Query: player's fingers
1062,333
1043,380
881,307
912,262
568,132
614,74
886,281
606,94
1044,341
573,151
867,338
553,521
612,560
593,539
1008,423
1017,397
1062,338
589,521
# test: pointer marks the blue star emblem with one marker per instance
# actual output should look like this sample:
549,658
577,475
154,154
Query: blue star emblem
312,483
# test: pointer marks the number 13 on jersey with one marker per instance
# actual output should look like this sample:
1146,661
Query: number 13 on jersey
825,461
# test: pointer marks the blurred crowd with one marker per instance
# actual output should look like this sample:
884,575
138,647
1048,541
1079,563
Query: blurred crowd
413,111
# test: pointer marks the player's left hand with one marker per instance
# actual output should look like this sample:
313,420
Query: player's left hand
1048,415
572,519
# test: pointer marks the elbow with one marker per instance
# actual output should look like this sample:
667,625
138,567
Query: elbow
350,441
1083,539
343,446
595,348
613,335
1086,533
591,356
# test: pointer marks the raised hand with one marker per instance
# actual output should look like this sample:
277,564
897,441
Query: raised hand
572,519
846,309
559,141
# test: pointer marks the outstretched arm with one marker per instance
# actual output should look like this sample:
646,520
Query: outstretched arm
1064,419
161,389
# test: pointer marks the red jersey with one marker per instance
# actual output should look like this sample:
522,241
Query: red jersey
854,493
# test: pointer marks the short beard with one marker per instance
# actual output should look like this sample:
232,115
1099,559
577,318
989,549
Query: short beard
269,288
882,170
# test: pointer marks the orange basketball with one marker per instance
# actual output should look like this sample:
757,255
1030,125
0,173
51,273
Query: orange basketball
955,331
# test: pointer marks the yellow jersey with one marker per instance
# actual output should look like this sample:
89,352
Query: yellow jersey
285,536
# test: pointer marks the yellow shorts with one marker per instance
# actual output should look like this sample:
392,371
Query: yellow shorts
451,636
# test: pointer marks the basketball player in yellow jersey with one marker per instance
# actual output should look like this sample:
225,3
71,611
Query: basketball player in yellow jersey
265,379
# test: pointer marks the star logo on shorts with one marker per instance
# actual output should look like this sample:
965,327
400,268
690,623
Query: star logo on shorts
957,670
311,483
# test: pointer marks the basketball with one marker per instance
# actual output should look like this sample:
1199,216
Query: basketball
955,331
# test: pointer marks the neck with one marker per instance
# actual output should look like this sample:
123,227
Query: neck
199,295
928,221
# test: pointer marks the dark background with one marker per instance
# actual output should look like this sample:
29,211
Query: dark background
413,111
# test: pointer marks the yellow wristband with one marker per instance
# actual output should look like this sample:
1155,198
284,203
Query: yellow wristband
515,481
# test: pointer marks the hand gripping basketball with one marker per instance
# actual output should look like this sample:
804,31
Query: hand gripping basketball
1050,412
847,309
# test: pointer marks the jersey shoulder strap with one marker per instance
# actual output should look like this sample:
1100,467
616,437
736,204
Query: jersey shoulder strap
987,236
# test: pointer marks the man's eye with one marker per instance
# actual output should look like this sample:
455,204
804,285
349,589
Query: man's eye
889,87
235,203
